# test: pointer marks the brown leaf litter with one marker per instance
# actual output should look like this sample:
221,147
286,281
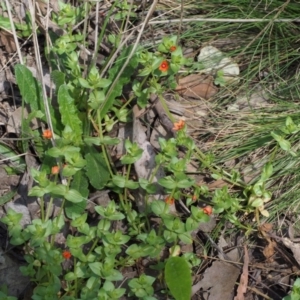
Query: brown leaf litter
242,289
197,86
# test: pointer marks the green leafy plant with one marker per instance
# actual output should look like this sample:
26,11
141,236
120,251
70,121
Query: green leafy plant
75,157
295,293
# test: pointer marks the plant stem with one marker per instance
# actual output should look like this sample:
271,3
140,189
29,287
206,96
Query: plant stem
42,209
165,107
127,178
217,170
50,204
103,146
150,181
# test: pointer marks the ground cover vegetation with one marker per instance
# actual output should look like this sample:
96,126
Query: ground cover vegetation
231,166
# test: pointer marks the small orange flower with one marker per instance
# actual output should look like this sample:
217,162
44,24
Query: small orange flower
207,210
164,66
169,200
66,254
173,48
47,134
194,198
178,125
55,170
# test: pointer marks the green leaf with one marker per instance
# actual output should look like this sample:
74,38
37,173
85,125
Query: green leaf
80,183
116,238
107,140
84,83
178,278
267,171
167,182
93,281
97,170
30,89
79,221
185,183
122,182
124,79
92,140
113,275
5,23
149,188
185,238
257,202
258,188
58,79
55,152
220,80
37,191
119,181
69,112
77,241
130,184
58,189
7,197
295,294
31,92
78,253
17,162
159,207
73,196
70,276
103,82
283,143
96,268
130,159
134,251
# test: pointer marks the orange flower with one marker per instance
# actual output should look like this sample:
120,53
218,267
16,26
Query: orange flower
169,200
47,134
194,198
55,170
164,66
66,254
179,125
207,210
173,48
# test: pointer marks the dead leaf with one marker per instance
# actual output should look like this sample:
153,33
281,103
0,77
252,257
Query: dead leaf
7,40
269,250
217,184
216,283
16,119
244,102
266,227
197,86
295,247
11,276
146,164
214,60
242,289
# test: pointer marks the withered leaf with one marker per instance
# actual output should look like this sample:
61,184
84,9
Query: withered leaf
197,86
